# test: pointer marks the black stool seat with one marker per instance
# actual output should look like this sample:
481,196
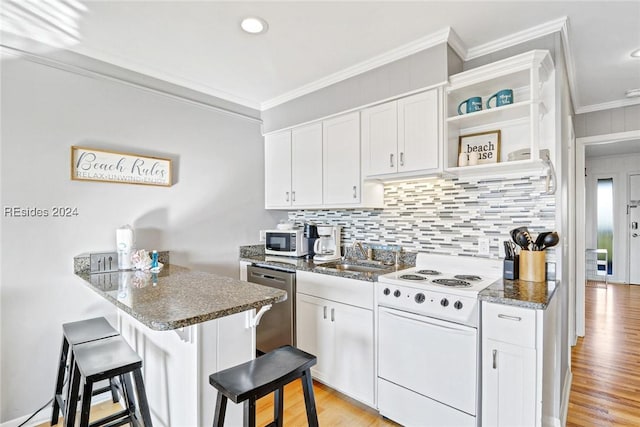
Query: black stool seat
88,330
266,374
105,359
75,333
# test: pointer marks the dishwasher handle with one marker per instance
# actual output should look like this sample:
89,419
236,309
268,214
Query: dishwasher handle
267,277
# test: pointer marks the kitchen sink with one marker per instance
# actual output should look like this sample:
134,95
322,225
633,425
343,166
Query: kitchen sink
356,267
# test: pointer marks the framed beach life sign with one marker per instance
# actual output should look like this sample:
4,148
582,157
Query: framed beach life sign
90,164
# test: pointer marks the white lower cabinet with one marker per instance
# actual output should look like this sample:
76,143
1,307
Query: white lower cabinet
509,385
520,366
341,337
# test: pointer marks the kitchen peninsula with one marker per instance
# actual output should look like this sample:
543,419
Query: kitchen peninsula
185,325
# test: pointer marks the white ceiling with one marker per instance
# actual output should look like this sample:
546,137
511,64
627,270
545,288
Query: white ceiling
198,44
613,149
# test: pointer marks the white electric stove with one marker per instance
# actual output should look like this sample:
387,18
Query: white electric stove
428,340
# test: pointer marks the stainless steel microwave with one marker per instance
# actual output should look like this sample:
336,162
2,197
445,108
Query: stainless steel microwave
285,243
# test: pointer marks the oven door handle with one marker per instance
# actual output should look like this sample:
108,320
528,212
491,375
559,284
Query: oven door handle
423,320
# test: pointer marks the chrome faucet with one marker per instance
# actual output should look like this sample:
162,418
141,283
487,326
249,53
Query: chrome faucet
358,245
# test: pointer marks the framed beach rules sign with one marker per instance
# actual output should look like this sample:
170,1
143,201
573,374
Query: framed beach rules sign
90,164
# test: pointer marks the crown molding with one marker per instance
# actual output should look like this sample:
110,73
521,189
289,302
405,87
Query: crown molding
403,51
619,103
456,43
516,38
569,65
11,52
41,49
169,78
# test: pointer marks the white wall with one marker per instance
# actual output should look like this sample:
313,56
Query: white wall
215,205
617,167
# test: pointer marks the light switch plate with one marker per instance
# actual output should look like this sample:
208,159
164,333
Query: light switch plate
483,246
103,262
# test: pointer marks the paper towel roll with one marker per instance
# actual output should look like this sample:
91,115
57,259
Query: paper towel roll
124,243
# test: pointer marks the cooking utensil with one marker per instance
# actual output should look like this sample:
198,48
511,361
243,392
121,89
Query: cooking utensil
550,240
537,246
515,231
523,239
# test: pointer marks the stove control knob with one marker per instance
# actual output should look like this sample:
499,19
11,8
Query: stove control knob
396,293
457,305
420,298
386,291
444,302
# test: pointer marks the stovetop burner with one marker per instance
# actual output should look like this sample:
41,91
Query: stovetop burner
429,272
455,283
470,277
412,277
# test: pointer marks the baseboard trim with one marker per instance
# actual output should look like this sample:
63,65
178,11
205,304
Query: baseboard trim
564,403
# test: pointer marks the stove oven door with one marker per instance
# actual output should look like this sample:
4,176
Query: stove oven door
433,358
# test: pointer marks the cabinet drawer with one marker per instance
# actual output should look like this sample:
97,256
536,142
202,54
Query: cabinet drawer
514,325
354,292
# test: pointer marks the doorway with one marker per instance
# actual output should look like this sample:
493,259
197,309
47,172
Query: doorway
625,145
633,228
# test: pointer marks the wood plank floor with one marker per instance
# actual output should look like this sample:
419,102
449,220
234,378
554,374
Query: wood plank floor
606,363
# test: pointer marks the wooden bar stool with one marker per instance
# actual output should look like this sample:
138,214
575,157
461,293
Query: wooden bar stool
104,359
75,333
268,373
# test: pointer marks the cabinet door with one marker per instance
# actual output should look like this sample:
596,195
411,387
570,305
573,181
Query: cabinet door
353,371
380,139
306,165
341,158
418,139
508,385
277,170
315,333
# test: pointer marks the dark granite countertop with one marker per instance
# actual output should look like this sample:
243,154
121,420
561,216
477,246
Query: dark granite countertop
177,297
520,293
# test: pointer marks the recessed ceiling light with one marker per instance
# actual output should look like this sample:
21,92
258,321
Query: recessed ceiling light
632,93
254,25
635,53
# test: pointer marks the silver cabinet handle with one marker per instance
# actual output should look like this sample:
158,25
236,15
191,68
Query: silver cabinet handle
333,314
287,193
401,159
355,192
325,311
293,196
495,359
391,160
504,316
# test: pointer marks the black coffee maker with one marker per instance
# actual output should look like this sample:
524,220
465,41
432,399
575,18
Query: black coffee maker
310,237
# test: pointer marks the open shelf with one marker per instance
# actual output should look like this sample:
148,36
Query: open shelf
528,123
516,167
498,114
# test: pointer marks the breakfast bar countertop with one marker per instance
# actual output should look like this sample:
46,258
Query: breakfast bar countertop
177,297
520,293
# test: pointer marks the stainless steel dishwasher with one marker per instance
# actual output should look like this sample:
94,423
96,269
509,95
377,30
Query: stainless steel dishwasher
278,325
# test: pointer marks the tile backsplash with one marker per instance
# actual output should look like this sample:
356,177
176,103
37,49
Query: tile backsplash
446,216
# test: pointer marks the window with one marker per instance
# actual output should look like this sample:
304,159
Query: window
605,222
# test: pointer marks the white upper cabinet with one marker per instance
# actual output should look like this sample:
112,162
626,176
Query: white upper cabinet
418,141
341,158
277,155
306,165
317,166
526,125
402,137
380,138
